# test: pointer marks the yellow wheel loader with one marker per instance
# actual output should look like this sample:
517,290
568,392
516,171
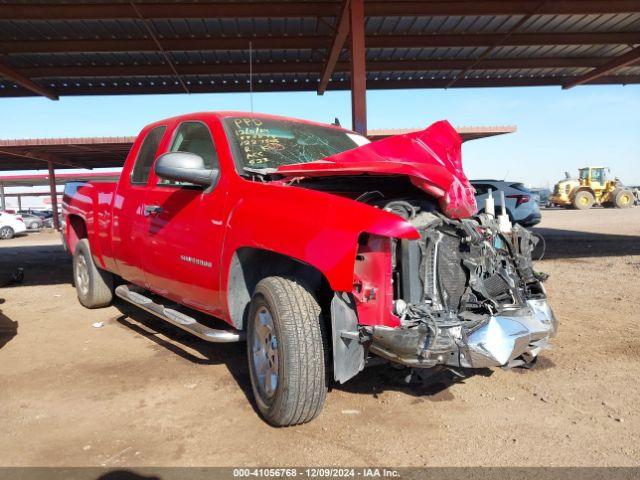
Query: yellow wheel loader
592,188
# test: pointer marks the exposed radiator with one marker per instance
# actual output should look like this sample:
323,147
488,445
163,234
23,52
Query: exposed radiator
452,277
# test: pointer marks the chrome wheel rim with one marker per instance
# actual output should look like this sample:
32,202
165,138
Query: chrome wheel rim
82,275
264,348
5,232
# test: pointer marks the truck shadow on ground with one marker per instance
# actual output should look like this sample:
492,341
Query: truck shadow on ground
42,264
371,381
8,328
125,474
179,342
424,384
571,244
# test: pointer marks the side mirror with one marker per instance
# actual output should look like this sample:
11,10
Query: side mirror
185,167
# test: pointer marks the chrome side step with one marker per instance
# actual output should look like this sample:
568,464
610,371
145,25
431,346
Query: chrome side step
178,319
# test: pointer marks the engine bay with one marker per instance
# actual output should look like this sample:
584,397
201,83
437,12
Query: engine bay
466,293
469,288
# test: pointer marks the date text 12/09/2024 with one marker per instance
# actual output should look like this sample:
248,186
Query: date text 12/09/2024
368,472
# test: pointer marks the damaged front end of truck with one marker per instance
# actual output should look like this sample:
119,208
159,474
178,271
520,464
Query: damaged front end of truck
462,294
466,295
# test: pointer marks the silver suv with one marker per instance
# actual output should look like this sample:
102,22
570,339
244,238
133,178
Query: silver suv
522,205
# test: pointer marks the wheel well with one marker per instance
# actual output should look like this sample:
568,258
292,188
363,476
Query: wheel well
76,230
250,265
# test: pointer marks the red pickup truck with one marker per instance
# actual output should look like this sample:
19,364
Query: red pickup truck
318,247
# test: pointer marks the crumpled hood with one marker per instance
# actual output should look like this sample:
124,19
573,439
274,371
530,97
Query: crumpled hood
431,158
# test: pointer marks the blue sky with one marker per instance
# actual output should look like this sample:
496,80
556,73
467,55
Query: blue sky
558,130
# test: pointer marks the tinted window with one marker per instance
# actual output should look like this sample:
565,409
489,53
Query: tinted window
482,188
194,137
521,187
147,155
597,175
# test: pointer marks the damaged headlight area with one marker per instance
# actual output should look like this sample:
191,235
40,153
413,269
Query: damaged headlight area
464,295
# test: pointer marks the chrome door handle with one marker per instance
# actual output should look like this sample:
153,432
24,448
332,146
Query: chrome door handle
152,210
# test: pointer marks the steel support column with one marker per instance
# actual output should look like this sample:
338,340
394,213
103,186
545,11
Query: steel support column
358,68
339,39
3,204
19,202
54,195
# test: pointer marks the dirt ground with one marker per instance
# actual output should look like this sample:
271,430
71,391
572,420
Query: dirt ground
139,392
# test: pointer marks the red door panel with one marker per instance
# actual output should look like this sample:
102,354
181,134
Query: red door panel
184,228
183,243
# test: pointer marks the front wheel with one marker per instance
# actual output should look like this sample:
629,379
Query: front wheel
94,286
6,233
623,199
286,350
583,200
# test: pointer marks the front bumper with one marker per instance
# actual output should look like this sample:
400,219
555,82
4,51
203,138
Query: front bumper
514,336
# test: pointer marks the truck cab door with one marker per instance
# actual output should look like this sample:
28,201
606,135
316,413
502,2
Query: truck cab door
184,228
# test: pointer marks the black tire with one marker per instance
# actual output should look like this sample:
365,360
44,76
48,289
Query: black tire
6,233
300,352
624,199
583,200
94,286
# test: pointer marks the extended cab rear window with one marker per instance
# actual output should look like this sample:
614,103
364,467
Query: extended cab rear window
146,155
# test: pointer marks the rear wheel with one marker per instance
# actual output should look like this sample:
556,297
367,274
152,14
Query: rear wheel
623,199
6,233
286,352
583,200
94,286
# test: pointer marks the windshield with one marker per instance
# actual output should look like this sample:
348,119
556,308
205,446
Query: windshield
584,173
260,143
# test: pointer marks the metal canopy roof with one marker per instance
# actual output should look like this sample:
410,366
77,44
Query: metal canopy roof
42,179
33,154
117,47
105,152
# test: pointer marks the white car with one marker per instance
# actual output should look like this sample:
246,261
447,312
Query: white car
10,225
